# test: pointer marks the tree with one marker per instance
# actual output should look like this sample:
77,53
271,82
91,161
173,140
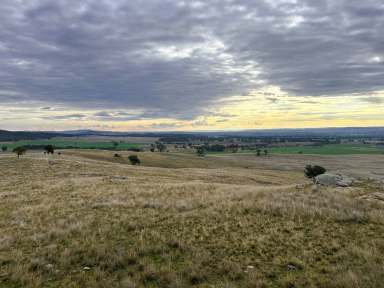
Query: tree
20,150
200,151
313,171
161,147
258,152
4,148
265,152
50,149
134,159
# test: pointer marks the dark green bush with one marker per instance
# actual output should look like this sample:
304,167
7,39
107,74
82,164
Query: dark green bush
134,159
49,149
313,171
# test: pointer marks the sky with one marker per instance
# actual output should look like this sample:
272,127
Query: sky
133,65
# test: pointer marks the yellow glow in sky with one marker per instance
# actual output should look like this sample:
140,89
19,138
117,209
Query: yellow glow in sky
261,109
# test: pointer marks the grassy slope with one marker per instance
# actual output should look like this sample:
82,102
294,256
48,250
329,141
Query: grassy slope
151,227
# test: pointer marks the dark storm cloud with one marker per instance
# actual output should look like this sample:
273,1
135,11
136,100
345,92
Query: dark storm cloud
174,59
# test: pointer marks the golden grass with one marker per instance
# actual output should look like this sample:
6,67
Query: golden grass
77,222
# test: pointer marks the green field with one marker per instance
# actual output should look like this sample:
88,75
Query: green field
330,149
62,144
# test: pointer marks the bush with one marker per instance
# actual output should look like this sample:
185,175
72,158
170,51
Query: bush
313,171
134,159
4,148
116,155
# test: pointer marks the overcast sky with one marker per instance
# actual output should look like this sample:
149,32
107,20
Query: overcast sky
190,65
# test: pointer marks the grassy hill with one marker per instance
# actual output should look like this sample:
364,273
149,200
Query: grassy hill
85,219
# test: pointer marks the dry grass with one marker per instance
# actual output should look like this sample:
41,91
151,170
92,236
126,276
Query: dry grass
77,222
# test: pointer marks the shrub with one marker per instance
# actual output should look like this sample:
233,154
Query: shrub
134,159
4,148
313,171
116,155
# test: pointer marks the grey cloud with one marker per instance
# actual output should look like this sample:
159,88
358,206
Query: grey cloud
273,99
65,117
174,59
102,114
372,100
164,125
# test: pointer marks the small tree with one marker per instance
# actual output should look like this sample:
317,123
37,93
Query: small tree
258,152
20,150
4,148
313,171
134,159
200,151
265,152
161,147
49,149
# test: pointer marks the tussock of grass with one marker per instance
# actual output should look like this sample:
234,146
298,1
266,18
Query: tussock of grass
86,223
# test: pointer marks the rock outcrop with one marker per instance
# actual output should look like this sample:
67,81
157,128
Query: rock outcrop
339,180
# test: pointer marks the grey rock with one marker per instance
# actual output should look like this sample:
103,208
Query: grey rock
339,180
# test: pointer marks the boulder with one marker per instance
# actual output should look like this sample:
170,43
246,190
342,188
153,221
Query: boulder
328,179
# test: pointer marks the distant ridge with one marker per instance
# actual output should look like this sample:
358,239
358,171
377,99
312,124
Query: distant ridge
26,135
371,132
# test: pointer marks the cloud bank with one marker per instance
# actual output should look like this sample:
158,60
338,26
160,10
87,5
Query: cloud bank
175,59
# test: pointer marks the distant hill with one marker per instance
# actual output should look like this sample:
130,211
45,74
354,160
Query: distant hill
308,132
26,135
363,132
